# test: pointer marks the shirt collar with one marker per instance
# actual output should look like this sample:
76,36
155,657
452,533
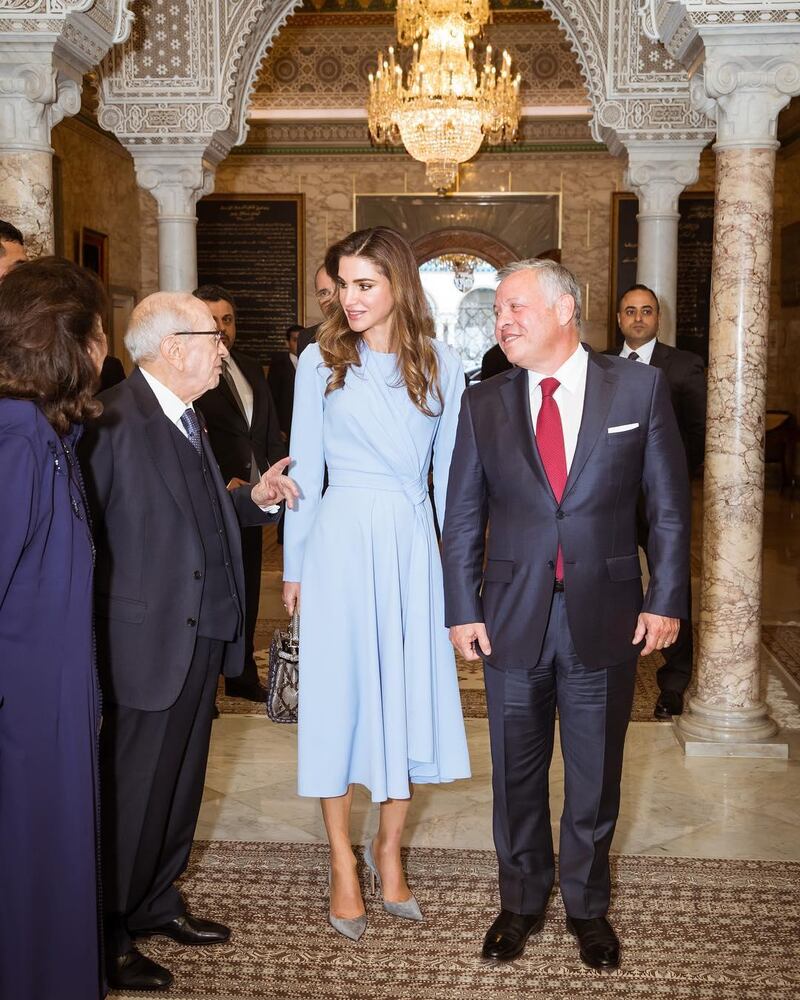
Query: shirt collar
645,352
571,375
172,405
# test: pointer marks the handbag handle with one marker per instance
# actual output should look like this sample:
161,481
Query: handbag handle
294,628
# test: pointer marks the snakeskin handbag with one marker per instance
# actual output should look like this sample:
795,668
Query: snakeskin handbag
284,665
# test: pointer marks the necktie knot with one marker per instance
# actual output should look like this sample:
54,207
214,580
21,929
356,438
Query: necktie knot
633,356
548,387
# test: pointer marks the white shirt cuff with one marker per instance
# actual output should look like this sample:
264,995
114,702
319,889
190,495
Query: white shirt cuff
272,509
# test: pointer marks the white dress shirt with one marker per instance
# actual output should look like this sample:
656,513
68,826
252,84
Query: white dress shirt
293,359
568,396
243,387
172,405
174,408
643,353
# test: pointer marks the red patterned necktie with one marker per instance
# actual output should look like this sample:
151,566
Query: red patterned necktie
550,442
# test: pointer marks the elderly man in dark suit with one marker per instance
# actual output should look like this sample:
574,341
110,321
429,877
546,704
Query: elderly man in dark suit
637,316
245,436
325,291
169,610
552,456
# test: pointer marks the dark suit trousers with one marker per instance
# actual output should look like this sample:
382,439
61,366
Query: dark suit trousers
251,560
594,708
153,766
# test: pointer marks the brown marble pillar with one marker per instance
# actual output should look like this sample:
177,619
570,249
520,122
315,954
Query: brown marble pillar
727,716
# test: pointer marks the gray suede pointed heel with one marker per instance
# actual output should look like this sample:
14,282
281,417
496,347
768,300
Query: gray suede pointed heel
352,929
409,910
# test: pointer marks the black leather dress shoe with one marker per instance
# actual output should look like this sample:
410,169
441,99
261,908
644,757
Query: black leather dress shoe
251,692
669,703
599,945
133,971
505,940
189,930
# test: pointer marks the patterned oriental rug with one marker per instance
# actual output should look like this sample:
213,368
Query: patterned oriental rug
783,641
691,930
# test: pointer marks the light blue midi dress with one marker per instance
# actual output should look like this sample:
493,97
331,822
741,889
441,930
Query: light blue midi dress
379,700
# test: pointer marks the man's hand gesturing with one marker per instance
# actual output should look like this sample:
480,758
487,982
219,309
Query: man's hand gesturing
274,486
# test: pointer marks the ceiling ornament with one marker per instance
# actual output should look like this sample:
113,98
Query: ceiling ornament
442,108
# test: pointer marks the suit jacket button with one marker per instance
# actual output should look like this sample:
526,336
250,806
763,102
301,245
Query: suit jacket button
197,574
551,564
560,515
191,621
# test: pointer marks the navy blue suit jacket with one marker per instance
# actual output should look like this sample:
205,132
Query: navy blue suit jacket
497,476
150,558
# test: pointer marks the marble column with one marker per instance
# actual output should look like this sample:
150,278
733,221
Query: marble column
33,98
177,178
658,172
727,716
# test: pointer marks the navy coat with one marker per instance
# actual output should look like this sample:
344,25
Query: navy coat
49,718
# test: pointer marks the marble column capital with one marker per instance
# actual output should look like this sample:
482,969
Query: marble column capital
177,179
744,87
659,171
34,97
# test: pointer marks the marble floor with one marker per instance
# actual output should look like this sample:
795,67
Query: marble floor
671,805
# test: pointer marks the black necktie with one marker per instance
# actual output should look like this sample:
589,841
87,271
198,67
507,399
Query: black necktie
633,356
192,427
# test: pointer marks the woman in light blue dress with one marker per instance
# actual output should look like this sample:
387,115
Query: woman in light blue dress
376,401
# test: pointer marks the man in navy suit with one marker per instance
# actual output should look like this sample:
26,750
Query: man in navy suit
552,456
169,591
638,316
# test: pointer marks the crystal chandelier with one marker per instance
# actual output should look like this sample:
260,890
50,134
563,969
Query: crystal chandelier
463,268
444,108
414,17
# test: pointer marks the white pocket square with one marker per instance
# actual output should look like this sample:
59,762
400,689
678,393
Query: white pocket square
622,427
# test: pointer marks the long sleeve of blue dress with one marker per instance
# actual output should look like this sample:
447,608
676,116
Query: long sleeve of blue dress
308,453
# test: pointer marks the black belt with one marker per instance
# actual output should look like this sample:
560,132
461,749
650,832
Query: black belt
558,586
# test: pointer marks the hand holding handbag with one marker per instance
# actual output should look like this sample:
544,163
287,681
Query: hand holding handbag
284,664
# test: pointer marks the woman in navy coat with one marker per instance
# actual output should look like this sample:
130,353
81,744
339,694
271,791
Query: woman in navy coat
52,346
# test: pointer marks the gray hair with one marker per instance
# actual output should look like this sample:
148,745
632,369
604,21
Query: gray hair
553,276
155,318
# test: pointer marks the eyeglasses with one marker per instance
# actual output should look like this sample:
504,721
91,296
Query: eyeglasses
200,333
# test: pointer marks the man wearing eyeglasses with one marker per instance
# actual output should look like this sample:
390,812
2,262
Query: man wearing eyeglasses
325,291
245,436
169,596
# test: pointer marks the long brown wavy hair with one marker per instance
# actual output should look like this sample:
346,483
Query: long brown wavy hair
49,315
412,323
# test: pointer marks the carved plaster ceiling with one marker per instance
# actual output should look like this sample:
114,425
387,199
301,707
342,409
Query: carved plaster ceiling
313,66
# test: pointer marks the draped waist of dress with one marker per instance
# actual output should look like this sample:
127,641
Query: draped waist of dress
416,489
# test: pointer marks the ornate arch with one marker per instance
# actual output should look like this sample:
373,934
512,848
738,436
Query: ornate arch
466,241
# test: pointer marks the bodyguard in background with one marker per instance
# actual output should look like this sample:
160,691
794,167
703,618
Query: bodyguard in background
246,439
282,371
637,316
168,604
51,348
325,292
